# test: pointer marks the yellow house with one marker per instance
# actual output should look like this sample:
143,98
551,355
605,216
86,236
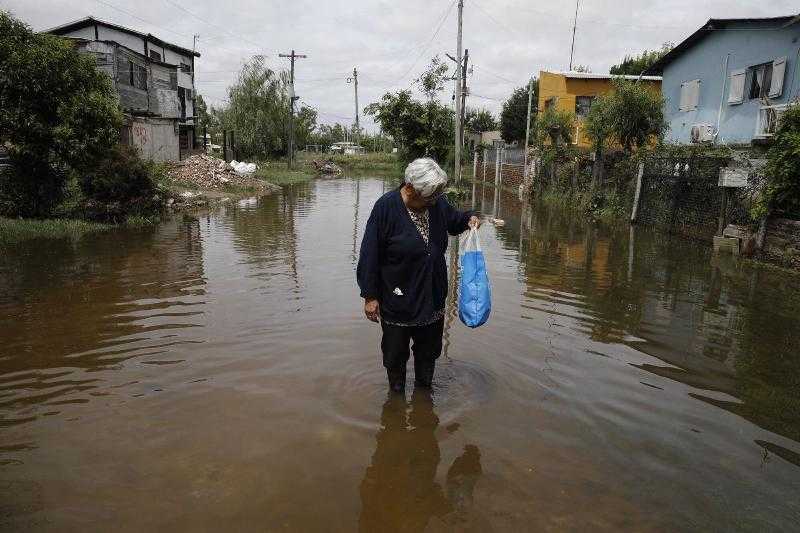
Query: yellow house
574,92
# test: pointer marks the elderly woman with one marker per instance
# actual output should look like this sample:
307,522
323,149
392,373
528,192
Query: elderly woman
402,272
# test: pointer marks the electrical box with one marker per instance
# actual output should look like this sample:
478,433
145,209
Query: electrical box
733,177
702,133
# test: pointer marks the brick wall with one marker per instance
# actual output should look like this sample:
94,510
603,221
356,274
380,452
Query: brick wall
510,174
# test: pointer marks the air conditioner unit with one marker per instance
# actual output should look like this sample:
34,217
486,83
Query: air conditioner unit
702,133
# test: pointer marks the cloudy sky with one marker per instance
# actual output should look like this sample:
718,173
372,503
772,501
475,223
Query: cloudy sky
390,42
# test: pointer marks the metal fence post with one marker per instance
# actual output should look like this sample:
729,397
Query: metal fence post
485,156
474,166
637,196
497,166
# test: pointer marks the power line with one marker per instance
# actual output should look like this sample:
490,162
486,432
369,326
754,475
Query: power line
435,33
201,19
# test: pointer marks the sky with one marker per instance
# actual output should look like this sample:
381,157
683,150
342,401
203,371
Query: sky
391,42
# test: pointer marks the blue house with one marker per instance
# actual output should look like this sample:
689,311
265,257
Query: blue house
730,81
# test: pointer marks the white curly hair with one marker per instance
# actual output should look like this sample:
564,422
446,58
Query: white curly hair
425,176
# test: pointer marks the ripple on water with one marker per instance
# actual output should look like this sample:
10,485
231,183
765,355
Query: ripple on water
458,387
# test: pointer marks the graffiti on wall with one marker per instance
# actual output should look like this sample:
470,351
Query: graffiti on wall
140,134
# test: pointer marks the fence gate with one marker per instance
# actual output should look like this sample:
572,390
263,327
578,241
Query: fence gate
682,194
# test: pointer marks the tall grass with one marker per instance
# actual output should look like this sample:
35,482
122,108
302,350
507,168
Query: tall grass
14,230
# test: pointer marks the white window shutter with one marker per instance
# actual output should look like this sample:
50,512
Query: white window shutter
692,95
736,92
778,71
684,93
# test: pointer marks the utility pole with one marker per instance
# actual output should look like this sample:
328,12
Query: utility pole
457,153
574,27
292,99
527,130
354,81
464,93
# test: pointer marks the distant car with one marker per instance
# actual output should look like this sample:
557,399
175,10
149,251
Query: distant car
346,148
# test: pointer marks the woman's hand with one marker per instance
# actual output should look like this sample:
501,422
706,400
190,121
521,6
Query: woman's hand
474,222
372,309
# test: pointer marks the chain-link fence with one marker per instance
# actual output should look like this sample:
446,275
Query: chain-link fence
683,194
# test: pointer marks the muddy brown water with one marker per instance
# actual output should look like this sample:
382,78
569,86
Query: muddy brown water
215,373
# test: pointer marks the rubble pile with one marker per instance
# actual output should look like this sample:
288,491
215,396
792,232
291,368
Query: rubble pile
210,173
326,167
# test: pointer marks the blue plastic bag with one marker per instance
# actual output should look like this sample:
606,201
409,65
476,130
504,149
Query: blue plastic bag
475,294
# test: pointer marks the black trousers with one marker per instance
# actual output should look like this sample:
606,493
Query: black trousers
427,345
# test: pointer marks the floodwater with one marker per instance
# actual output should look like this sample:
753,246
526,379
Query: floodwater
215,373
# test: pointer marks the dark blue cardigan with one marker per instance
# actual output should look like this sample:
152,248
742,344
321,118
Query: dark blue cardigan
408,278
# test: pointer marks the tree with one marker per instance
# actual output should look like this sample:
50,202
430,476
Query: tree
479,120
599,127
555,126
513,118
433,79
637,112
258,111
635,65
421,129
58,114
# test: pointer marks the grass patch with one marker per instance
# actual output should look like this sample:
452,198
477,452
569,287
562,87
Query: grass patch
277,173
14,230
606,206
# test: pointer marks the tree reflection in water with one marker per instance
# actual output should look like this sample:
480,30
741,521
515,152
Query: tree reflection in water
400,491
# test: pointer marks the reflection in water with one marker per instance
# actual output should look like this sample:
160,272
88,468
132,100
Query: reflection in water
217,373
400,491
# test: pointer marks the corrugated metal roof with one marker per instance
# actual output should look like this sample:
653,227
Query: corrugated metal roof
592,76
716,25
90,21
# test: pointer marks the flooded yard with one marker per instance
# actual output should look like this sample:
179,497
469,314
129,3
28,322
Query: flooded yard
216,373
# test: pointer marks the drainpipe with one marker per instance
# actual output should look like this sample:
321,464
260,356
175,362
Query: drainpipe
722,96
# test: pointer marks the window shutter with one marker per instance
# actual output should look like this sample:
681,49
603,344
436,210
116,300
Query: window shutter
778,70
736,92
695,95
684,93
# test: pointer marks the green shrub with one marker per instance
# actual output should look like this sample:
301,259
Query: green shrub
782,191
121,184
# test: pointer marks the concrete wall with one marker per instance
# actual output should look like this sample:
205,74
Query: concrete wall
125,39
82,33
155,138
745,46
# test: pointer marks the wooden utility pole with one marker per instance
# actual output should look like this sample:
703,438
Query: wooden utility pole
354,81
292,99
464,93
457,153
574,27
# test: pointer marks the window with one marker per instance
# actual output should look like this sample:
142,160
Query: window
760,81
185,68
582,105
690,95
155,55
141,77
131,74
550,103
